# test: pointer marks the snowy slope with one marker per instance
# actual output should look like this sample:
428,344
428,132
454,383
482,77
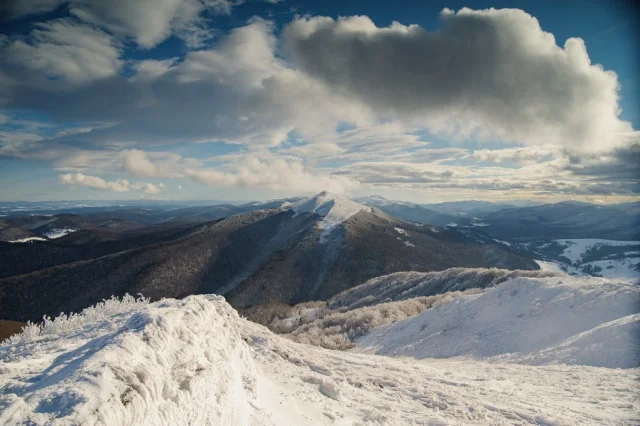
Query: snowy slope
591,256
333,209
58,233
622,264
576,249
28,240
529,320
194,361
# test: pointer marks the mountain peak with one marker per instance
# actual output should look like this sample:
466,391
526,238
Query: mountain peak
334,208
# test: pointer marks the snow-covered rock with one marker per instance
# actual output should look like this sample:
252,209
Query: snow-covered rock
530,320
195,361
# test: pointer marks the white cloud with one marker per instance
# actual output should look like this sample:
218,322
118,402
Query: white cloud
275,174
147,70
238,91
524,155
155,164
19,8
149,188
488,73
64,49
148,22
95,182
120,185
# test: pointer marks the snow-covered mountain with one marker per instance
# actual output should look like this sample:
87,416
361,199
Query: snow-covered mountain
289,252
333,209
587,321
195,361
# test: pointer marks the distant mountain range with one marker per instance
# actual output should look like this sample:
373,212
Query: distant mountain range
286,251
562,220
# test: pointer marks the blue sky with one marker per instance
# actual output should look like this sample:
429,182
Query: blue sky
218,99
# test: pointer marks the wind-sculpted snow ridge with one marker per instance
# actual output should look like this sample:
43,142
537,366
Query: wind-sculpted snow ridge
586,321
407,285
195,361
171,362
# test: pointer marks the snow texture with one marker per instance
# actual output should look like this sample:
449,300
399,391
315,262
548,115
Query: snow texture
591,321
195,361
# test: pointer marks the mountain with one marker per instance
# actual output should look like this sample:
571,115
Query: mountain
310,249
468,208
196,361
10,233
411,212
340,321
564,220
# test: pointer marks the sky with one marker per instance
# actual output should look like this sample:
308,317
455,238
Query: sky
261,99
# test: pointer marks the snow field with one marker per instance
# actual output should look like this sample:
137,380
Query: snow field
528,320
577,248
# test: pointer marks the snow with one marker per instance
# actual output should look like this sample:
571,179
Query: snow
623,267
172,362
195,361
57,233
401,232
577,248
333,209
28,240
523,319
551,266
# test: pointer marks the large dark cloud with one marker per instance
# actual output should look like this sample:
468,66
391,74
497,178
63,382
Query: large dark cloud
495,72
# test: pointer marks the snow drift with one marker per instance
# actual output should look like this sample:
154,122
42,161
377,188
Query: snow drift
195,361
589,321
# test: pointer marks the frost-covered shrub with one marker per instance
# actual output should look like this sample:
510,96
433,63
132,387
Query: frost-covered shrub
335,329
68,323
